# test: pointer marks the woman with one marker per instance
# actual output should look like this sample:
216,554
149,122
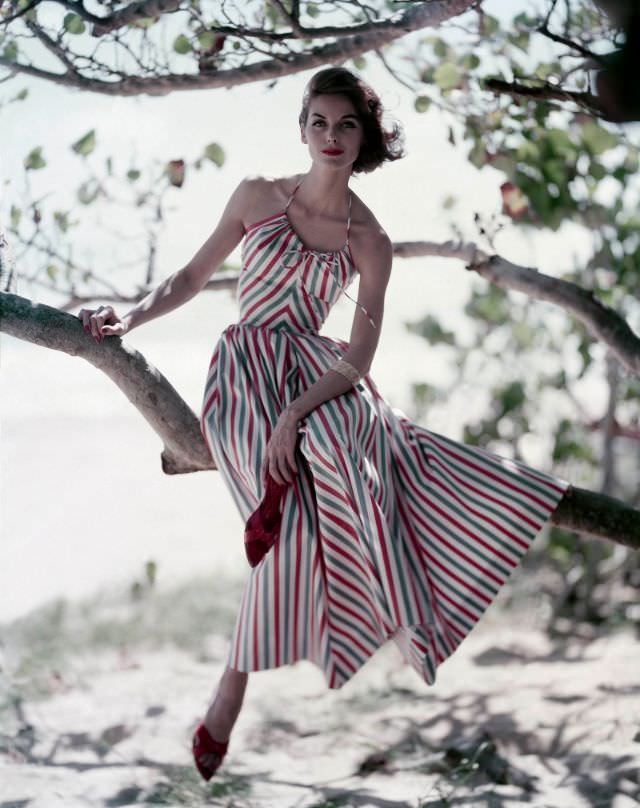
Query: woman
360,525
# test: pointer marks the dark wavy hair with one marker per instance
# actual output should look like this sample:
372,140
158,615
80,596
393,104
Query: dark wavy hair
379,144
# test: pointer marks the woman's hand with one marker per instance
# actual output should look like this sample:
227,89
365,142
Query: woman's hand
102,322
279,458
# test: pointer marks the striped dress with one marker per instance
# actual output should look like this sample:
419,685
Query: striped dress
388,530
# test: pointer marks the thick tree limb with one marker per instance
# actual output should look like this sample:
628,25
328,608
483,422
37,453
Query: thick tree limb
145,387
377,34
599,515
604,323
548,92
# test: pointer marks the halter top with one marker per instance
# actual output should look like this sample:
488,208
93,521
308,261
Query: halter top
273,244
330,254
308,249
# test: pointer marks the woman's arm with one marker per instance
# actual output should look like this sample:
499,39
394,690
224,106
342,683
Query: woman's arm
184,284
188,281
375,260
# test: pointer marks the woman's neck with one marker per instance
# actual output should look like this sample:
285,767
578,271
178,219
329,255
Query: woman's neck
325,192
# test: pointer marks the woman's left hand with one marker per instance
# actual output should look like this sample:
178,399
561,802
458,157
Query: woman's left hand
279,458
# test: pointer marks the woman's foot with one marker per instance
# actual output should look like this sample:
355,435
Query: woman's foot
208,753
212,735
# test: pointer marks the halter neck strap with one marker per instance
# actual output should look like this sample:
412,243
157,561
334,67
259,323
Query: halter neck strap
293,193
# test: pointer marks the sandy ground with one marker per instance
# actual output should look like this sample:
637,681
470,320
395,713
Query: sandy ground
95,714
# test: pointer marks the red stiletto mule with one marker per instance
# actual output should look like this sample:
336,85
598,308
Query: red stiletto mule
263,526
202,745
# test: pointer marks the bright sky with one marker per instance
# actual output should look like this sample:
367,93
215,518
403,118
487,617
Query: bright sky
84,498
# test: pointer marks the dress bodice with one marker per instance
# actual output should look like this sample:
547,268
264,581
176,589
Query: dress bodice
285,284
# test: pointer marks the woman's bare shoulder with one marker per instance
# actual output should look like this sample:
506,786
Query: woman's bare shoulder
267,195
367,235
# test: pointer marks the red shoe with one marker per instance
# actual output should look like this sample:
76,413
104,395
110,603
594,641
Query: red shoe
202,746
263,526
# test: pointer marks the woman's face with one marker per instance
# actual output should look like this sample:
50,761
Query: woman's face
333,131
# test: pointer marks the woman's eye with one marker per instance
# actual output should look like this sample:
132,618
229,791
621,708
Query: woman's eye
346,123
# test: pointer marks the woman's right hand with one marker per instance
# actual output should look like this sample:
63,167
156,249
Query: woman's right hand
102,322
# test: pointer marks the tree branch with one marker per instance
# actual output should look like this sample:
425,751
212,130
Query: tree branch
376,34
563,40
599,515
146,388
548,92
604,323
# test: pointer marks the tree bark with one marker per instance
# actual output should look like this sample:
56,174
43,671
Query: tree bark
349,44
145,387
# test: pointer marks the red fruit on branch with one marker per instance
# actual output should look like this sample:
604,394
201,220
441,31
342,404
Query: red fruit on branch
514,202
175,172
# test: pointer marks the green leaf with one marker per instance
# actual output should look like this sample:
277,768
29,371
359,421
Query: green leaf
631,161
52,271
86,144
21,95
503,162
520,41
555,171
10,51
16,215
426,75
359,62
511,397
271,13
491,306
489,24
447,76
61,218
207,39
440,48
478,154
151,569
470,61
598,139
422,103
430,329
560,141
133,174
523,20
544,70
181,44
34,159
528,152
73,23
312,9
215,153
88,192
570,444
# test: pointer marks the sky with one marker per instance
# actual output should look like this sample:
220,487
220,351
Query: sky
85,503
